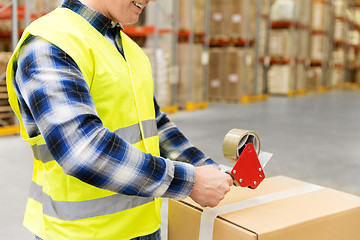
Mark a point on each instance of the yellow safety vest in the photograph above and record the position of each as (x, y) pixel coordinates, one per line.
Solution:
(61, 206)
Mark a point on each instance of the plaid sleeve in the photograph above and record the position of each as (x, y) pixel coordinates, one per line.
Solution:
(174, 145)
(55, 101)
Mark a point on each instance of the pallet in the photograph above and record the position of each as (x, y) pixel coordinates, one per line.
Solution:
(349, 86)
(324, 89)
(194, 106)
(9, 130)
(217, 100)
(256, 98)
(170, 109)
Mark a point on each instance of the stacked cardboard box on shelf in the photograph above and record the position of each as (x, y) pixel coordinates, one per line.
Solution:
(216, 66)
(231, 61)
(239, 19)
(301, 84)
(281, 43)
(185, 11)
(285, 46)
(341, 42)
(337, 75)
(319, 15)
(314, 78)
(231, 74)
(321, 45)
(238, 74)
(339, 30)
(161, 72)
(281, 79)
(218, 29)
(234, 19)
(190, 87)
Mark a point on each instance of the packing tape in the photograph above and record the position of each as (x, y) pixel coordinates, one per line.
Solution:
(235, 141)
(208, 216)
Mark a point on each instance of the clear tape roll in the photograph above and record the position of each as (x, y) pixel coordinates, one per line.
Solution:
(235, 141)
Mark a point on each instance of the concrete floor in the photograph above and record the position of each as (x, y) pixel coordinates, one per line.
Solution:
(315, 138)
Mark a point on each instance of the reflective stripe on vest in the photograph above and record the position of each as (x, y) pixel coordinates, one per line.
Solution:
(75, 210)
(130, 134)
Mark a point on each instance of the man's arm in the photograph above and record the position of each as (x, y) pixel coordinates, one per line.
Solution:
(174, 145)
(55, 101)
(211, 185)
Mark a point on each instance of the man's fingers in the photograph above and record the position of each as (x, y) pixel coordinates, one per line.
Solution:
(230, 181)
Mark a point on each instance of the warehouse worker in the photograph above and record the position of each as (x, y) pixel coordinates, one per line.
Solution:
(103, 151)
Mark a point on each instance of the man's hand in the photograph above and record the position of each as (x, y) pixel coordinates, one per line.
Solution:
(211, 185)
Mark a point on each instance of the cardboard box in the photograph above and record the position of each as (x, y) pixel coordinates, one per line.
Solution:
(301, 80)
(339, 8)
(281, 79)
(240, 18)
(339, 30)
(216, 73)
(198, 11)
(337, 76)
(319, 213)
(218, 29)
(281, 43)
(190, 87)
(319, 47)
(315, 78)
(304, 44)
(338, 56)
(162, 71)
(235, 72)
(320, 13)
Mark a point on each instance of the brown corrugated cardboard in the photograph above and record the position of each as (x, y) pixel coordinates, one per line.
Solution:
(281, 43)
(319, 46)
(216, 73)
(217, 18)
(234, 73)
(281, 79)
(190, 88)
(314, 78)
(185, 11)
(240, 18)
(320, 13)
(321, 214)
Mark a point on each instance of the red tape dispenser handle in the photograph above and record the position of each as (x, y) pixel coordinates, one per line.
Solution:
(247, 171)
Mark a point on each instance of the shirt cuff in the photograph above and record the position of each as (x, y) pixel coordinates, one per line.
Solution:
(182, 182)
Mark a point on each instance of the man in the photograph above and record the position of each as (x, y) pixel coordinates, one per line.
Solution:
(103, 151)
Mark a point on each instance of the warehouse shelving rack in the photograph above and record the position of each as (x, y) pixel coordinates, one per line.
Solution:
(263, 39)
(295, 30)
(352, 53)
(340, 43)
(326, 35)
(259, 79)
(192, 93)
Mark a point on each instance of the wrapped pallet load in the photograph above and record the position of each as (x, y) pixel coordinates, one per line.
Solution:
(191, 75)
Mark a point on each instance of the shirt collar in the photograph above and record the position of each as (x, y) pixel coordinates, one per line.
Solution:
(96, 19)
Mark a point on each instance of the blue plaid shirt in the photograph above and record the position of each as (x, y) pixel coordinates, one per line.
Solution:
(55, 101)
